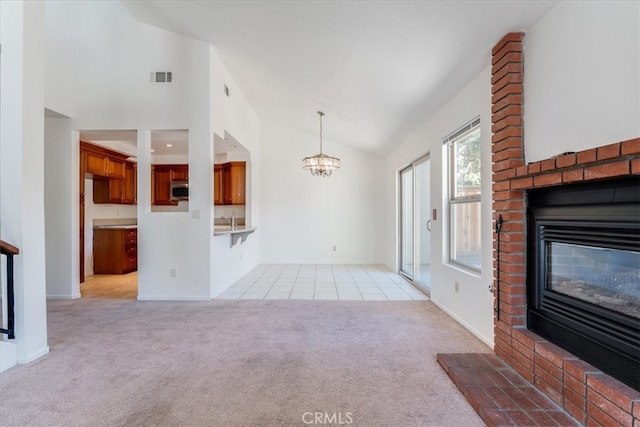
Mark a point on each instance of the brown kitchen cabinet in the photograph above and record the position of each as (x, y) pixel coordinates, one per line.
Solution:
(229, 183)
(130, 184)
(217, 185)
(162, 176)
(161, 185)
(102, 162)
(234, 183)
(179, 172)
(95, 164)
(115, 168)
(120, 191)
(115, 250)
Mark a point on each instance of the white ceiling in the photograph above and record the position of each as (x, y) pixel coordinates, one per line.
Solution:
(163, 142)
(378, 69)
(122, 141)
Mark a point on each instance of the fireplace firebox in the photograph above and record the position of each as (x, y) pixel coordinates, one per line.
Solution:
(583, 272)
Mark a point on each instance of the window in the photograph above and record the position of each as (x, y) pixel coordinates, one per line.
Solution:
(463, 147)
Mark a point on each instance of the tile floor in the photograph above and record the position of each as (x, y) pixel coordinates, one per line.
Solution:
(323, 282)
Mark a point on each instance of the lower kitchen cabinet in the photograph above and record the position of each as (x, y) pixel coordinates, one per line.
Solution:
(115, 250)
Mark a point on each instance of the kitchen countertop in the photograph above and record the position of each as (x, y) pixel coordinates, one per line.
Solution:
(219, 230)
(240, 233)
(116, 226)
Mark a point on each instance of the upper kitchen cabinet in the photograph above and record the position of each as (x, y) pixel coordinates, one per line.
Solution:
(230, 172)
(161, 178)
(102, 162)
(120, 191)
(130, 184)
(234, 179)
(229, 183)
(114, 177)
(218, 190)
(179, 172)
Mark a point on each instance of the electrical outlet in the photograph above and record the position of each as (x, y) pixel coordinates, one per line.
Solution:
(172, 272)
(456, 286)
(195, 213)
(334, 249)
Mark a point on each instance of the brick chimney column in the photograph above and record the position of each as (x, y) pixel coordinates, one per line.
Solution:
(507, 148)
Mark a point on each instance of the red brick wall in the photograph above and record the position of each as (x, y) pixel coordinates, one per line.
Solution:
(591, 396)
(507, 156)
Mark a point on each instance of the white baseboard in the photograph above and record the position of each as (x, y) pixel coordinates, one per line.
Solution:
(169, 298)
(8, 355)
(64, 297)
(465, 324)
(33, 356)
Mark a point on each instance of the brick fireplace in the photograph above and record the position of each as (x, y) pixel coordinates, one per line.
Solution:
(592, 397)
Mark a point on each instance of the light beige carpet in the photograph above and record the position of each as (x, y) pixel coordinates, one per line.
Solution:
(241, 363)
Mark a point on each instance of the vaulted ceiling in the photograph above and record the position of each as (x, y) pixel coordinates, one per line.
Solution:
(376, 68)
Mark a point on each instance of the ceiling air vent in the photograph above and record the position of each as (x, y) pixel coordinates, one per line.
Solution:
(161, 77)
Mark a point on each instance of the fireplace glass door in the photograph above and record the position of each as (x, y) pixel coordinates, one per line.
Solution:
(609, 278)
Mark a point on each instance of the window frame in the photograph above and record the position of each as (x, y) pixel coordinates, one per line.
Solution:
(452, 199)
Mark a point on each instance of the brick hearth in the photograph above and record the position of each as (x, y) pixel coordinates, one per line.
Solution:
(591, 396)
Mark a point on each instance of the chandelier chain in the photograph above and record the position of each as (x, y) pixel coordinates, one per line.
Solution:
(321, 114)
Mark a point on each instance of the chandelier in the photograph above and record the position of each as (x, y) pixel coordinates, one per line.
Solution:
(321, 164)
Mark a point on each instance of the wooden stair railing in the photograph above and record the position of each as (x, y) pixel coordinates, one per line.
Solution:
(9, 251)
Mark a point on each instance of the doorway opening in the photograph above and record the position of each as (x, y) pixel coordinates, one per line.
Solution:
(108, 214)
(415, 223)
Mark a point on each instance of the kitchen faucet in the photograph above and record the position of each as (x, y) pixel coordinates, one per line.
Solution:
(231, 220)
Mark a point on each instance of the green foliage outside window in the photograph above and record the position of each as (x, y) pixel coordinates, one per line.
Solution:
(467, 164)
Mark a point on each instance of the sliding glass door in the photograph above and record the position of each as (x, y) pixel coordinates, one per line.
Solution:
(415, 223)
(406, 221)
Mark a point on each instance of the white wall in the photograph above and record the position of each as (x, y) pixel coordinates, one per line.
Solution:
(304, 216)
(582, 77)
(113, 57)
(22, 218)
(61, 150)
(58, 78)
(472, 305)
(233, 117)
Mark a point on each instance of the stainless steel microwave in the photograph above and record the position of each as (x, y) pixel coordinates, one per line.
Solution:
(179, 190)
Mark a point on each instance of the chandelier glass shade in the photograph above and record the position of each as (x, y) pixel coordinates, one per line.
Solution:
(321, 164)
